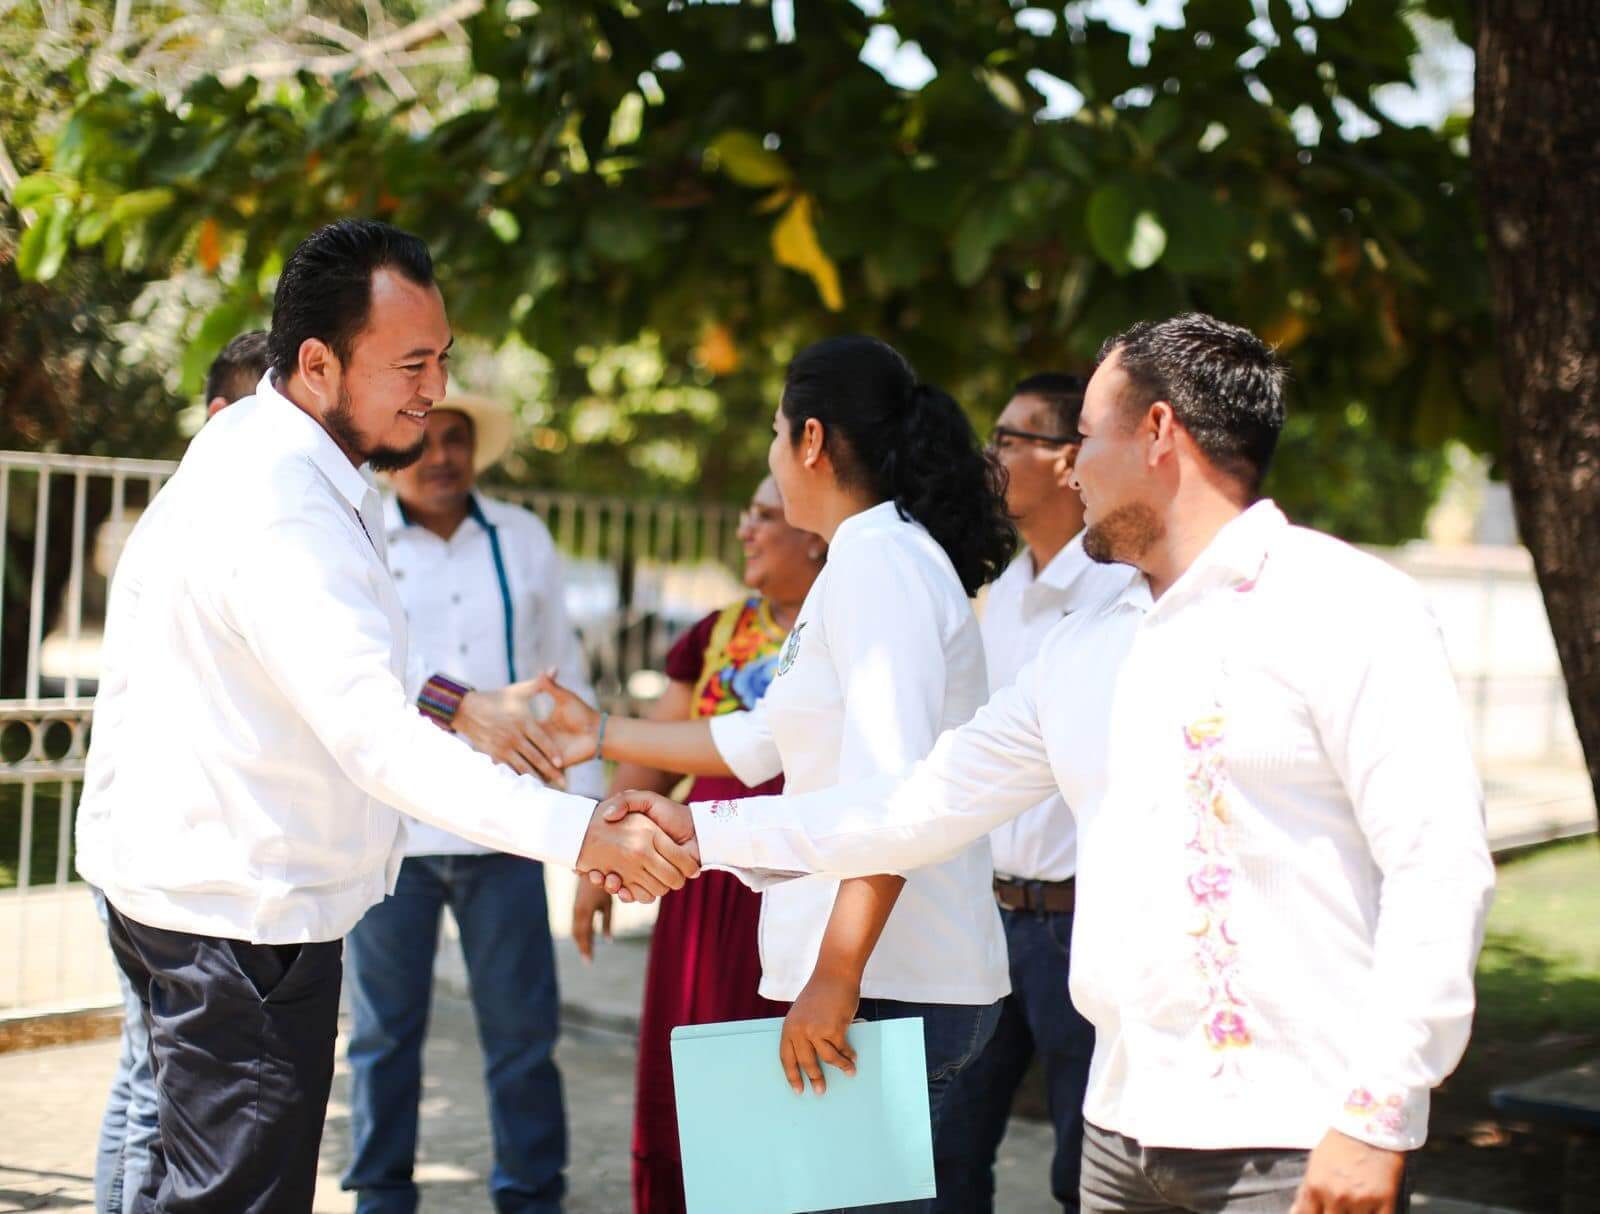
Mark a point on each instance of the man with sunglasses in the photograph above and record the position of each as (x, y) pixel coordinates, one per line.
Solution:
(1036, 442)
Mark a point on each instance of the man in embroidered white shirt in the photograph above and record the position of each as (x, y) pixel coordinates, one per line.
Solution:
(1282, 864)
(483, 591)
(254, 737)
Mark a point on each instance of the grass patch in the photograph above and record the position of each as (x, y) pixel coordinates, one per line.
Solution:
(1538, 1011)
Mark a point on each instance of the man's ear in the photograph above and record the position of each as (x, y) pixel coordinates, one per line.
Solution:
(319, 369)
(1061, 467)
(1163, 432)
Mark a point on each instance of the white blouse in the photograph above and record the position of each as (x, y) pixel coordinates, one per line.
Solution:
(884, 656)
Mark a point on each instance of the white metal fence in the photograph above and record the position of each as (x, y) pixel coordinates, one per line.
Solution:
(638, 572)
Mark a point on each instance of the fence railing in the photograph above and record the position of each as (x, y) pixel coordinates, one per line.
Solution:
(637, 573)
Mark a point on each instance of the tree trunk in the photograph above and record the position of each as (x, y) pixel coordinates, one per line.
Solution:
(1536, 147)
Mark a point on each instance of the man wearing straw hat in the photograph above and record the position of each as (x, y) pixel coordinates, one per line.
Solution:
(482, 587)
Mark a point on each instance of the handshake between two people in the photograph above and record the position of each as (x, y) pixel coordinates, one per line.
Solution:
(639, 844)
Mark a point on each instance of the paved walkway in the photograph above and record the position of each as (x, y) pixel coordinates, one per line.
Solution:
(50, 1103)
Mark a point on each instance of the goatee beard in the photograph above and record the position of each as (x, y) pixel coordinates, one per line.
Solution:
(1124, 535)
(340, 421)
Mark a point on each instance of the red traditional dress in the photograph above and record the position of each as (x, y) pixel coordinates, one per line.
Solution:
(705, 964)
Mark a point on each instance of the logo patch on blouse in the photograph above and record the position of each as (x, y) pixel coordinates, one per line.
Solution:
(791, 649)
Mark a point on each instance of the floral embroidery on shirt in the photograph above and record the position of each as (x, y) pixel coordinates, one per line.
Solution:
(724, 810)
(1386, 1116)
(1210, 883)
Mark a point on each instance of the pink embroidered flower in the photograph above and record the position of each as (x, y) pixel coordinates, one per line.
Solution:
(1211, 885)
(1227, 1028)
(1388, 1115)
(723, 810)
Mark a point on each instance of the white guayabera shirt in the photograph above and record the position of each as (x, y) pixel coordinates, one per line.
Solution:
(252, 731)
(1021, 609)
(1283, 869)
(883, 657)
(456, 615)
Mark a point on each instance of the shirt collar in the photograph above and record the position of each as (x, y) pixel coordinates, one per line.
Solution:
(1237, 552)
(875, 518)
(396, 521)
(1066, 578)
(305, 434)
(1234, 556)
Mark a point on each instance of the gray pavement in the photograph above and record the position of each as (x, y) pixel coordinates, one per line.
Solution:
(50, 1102)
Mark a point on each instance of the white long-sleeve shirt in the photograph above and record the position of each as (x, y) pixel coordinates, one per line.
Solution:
(883, 657)
(1283, 869)
(1022, 607)
(456, 618)
(252, 731)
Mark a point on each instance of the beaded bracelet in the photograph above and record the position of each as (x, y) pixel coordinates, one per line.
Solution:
(440, 700)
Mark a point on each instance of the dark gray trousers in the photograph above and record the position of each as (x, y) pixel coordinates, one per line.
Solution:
(241, 1051)
(1121, 1177)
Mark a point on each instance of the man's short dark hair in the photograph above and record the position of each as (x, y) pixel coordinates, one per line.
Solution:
(1224, 383)
(325, 291)
(1063, 393)
(238, 369)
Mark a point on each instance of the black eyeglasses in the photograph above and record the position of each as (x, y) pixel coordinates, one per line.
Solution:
(999, 434)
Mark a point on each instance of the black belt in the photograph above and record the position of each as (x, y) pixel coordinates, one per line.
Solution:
(1057, 896)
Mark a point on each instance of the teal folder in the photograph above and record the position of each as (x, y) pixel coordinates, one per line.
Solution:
(751, 1146)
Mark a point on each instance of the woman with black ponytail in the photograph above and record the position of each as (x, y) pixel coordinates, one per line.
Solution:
(883, 657)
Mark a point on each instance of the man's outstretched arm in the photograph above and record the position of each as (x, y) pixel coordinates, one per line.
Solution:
(978, 776)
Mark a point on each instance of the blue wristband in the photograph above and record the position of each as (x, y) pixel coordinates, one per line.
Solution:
(600, 736)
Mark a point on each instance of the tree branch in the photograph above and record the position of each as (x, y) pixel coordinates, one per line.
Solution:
(371, 55)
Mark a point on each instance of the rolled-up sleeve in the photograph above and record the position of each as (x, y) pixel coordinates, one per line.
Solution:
(745, 742)
(303, 601)
(1391, 719)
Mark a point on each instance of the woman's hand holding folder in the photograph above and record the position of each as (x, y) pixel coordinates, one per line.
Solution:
(816, 1030)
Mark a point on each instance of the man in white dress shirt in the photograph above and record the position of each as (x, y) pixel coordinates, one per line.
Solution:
(1282, 864)
(253, 735)
(1035, 855)
(483, 591)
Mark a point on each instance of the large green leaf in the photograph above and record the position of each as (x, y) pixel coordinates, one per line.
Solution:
(1124, 227)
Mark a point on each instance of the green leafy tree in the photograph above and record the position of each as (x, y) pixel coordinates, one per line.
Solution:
(665, 201)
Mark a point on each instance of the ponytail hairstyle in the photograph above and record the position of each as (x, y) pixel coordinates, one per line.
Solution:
(906, 442)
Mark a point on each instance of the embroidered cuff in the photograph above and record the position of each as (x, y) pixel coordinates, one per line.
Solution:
(1394, 1119)
(722, 834)
(440, 699)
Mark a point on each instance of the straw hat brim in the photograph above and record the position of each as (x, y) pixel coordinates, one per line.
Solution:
(493, 426)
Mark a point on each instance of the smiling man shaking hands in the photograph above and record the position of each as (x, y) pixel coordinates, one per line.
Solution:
(254, 740)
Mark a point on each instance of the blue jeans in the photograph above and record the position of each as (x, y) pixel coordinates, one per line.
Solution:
(499, 904)
(1037, 1017)
(128, 1130)
(953, 1034)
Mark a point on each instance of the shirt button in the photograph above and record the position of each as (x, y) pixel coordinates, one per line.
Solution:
(455, 598)
(463, 649)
